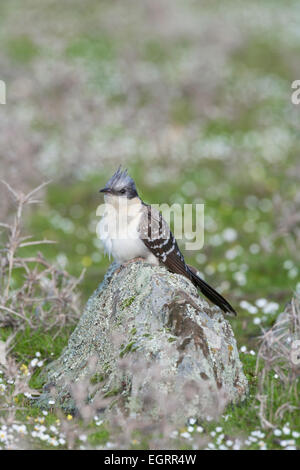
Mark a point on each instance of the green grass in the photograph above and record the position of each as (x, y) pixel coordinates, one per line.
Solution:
(99, 437)
(92, 48)
(28, 342)
(22, 49)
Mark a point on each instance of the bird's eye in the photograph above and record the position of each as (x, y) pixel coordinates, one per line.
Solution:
(123, 191)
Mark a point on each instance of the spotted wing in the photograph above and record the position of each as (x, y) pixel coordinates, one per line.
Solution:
(157, 236)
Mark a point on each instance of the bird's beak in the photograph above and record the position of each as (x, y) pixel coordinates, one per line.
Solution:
(105, 190)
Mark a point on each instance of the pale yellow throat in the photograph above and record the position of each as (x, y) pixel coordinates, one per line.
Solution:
(119, 229)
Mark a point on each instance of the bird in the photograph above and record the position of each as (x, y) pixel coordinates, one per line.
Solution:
(130, 230)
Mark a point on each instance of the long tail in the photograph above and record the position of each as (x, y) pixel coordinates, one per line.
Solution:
(210, 293)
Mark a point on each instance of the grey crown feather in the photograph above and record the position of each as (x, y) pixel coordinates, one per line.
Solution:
(120, 179)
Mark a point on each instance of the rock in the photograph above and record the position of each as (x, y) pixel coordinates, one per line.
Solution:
(150, 334)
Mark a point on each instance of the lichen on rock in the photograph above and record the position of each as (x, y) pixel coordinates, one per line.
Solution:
(154, 343)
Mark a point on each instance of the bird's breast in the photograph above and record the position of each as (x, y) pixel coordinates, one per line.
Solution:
(120, 236)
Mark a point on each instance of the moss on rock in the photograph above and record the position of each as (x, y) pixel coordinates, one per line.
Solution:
(142, 314)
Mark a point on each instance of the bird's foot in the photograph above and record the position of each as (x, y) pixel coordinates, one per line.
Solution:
(123, 265)
(133, 260)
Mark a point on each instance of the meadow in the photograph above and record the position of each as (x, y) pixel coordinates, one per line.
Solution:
(194, 98)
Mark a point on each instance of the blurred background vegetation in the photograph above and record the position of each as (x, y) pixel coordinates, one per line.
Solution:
(194, 98)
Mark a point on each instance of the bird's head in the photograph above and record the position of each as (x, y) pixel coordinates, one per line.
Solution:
(120, 185)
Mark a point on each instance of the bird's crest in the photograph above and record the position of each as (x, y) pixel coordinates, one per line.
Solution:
(120, 179)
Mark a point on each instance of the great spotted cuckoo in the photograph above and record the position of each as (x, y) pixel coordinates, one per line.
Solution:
(131, 229)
